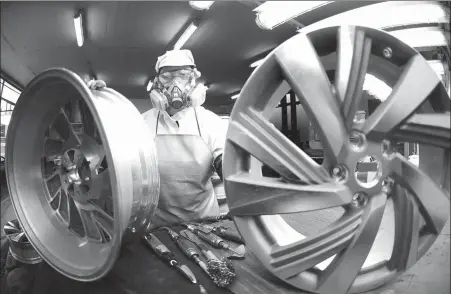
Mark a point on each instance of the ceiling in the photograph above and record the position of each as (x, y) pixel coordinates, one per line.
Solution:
(124, 39)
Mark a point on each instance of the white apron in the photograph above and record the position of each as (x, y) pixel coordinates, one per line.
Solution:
(186, 166)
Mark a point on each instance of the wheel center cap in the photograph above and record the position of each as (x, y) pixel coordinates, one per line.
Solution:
(364, 166)
(368, 171)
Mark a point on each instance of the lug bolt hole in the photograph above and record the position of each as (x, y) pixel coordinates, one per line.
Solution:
(359, 199)
(357, 139)
(339, 173)
(387, 52)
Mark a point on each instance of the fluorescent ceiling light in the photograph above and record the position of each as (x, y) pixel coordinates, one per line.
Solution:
(201, 5)
(149, 85)
(236, 96)
(257, 63)
(78, 24)
(274, 13)
(185, 36)
(421, 37)
(385, 15)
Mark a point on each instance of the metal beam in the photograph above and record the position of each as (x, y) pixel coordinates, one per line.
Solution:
(11, 80)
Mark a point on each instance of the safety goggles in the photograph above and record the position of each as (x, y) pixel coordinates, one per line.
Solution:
(167, 77)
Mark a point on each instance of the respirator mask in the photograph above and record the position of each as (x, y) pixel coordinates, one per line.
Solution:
(177, 89)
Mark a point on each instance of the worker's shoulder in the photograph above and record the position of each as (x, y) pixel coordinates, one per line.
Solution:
(208, 114)
(150, 114)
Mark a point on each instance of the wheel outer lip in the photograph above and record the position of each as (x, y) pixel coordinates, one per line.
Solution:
(250, 227)
(138, 206)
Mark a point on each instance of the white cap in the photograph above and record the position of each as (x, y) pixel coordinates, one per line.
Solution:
(175, 58)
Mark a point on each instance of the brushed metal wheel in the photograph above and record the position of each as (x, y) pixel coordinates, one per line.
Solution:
(417, 110)
(19, 246)
(82, 172)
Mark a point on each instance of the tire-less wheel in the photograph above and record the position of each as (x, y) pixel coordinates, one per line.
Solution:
(19, 246)
(82, 172)
(417, 110)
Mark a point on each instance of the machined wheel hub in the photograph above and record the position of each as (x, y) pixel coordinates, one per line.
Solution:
(363, 175)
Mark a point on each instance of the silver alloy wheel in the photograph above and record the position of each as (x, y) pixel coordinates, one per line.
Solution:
(82, 172)
(19, 246)
(257, 202)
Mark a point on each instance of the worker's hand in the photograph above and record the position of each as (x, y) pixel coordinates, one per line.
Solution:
(96, 84)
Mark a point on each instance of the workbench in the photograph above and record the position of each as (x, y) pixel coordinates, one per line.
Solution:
(139, 271)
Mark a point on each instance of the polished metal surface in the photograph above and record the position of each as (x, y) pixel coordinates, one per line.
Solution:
(19, 246)
(82, 172)
(344, 257)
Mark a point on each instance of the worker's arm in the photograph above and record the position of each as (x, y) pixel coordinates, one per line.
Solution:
(217, 164)
(216, 133)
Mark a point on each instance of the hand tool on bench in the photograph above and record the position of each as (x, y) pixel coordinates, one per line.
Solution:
(208, 219)
(217, 242)
(186, 247)
(165, 254)
(220, 271)
(222, 232)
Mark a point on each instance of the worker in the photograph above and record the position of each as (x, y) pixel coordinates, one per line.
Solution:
(188, 138)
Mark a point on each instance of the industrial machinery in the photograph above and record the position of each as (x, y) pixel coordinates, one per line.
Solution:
(343, 257)
(81, 171)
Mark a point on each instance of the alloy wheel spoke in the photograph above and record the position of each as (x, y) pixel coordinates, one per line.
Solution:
(304, 72)
(63, 126)
(11, 228)
(105, 221)
(266, 196)
(100, 185)
(55, 173)
(354, 50)
(64, 207)
(295, 258)
(413, 87)
(407, 227)
(17, 237)
(96, 161)
(53, 147)
(92, 230)
(432, 199)
(87, 119)
(93, 219)
(426, 128)
(341, 273)
(56, 194)
(261, 139)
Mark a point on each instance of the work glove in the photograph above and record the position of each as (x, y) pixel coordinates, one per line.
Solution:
(96, 84)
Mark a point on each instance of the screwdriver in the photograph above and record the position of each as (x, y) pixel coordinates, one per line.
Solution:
(217, 270)
(186, 248)
(221, 232)
(164, 253)
(212, 239)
